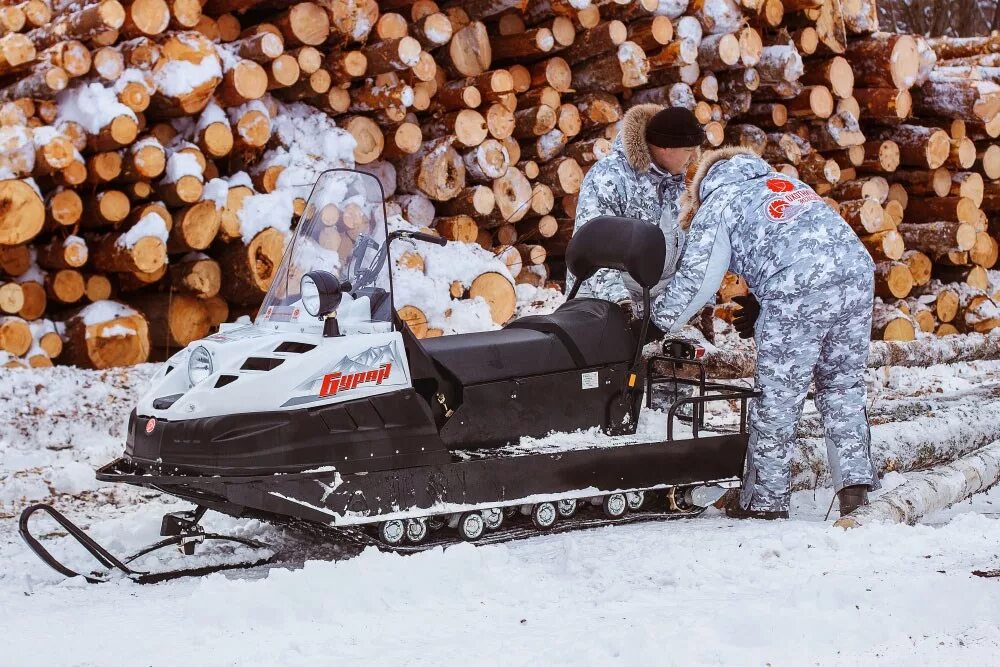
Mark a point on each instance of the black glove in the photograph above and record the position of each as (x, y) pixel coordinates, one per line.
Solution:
(626, 308)
(746, 316)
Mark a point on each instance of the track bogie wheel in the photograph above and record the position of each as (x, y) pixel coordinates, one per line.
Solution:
(436, 522)
(416, 530)
(392, 531)
(615, 505)
(493, 518)
(635, 499)
(567, 508)
(544, 515)
(471, 526)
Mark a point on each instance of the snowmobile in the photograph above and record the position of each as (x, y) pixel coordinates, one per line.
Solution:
(328, 410)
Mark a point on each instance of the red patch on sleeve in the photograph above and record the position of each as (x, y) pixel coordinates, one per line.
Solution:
(780, 185)
(776, 209)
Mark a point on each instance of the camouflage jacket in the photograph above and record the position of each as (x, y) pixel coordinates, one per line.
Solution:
(773, 230)
(627, 183)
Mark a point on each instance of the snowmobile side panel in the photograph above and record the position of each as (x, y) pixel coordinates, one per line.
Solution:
(331, 497)
(374, 433)
(499, 413)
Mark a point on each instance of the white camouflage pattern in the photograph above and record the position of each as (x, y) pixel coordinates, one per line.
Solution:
(814, 280)
(614, 187)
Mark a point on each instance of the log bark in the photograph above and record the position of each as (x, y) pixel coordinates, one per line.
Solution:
(893, 280)
(931, 490)
(627, 67)
(938, 240)
(435, 170)
(977, 101)
(120, 341)
(922, 147)
(174, 319)
(884, 60)
(147, 254)
(249, 269)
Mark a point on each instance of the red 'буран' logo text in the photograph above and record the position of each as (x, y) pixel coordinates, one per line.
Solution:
(336, 382)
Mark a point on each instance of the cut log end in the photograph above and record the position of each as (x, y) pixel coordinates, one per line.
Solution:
(498, 293)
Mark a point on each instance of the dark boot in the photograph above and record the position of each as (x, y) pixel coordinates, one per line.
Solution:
(735, 511)
(852, 497)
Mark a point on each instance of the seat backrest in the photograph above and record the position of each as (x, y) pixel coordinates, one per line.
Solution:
(614, 242)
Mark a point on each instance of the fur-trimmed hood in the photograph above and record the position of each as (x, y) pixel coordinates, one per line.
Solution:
(699, 187)
(633, 135)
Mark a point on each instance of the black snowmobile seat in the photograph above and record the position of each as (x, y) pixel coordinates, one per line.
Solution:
(582, 333)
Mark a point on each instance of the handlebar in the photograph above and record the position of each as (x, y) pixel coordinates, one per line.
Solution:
(420, 236)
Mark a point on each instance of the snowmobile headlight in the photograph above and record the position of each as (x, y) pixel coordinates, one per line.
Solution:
(321, 293)
(199, 365)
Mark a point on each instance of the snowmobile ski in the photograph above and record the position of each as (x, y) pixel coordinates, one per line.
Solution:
(186, 534)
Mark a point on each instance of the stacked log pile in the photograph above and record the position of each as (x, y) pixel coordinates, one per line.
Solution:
(149, 157)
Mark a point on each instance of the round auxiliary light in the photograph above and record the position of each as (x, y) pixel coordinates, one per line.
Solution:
(321, 293)
(200, 365)
(310, 295)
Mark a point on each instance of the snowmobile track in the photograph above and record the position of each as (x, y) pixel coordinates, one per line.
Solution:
(520, 530)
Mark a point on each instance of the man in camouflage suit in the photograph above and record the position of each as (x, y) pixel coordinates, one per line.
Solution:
(814, 280)
(642, 178)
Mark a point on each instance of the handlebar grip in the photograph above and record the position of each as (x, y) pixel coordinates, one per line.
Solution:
(429, 238)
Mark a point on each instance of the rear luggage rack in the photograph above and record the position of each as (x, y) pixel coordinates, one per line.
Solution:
(720, 391)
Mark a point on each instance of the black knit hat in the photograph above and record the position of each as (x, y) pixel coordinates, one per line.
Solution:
(674, 127)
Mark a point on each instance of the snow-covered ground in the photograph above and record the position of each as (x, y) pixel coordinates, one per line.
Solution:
(708, 590)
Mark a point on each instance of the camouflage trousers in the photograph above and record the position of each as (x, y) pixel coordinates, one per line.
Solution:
(807, 335)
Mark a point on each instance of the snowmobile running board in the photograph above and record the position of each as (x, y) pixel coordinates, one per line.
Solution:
(180, 527)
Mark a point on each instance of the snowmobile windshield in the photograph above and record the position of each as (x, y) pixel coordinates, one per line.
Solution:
(341, 231)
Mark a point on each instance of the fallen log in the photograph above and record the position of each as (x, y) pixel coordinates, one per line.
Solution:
(930, 491)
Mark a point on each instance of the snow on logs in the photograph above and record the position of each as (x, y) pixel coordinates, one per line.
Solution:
(138, 139)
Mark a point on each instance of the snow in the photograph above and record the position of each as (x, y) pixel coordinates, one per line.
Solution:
(435, 35)
(134, 75)
(240, 178)
(715, 591)
(44, 134)
(181, 164)
(18, 149)
(92, 106)
(73, 240)
(310, 143)
(671, 8)
(104, 311)
(785, 57)
(117, 331)
(229, 55)
(216, 190)
(151, 224)
(688, 29)
(180, 77)
(211, 114)
(550, 141)
(721, 16)
(259, 212)
(533, 300)
(681, 95)
(545, 42)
